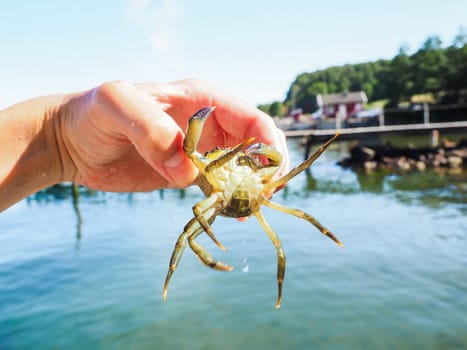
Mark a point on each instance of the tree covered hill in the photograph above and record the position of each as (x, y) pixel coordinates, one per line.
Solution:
(431, 69)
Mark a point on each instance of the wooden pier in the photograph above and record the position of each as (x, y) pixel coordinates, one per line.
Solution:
(313, 136)
(318, 135)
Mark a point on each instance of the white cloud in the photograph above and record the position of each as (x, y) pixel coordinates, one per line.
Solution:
(157, 20)
(138, 5)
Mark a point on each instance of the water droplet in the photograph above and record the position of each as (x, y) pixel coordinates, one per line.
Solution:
(245, 266)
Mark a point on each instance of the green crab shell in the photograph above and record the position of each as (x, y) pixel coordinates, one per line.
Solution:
(241, 182)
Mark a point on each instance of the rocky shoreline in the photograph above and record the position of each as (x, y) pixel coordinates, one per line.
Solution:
(448, 155)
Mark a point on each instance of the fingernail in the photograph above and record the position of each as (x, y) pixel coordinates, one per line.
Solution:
(174, 161)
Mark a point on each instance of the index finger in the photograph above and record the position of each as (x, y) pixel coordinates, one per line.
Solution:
(243, 121)
(233, 121)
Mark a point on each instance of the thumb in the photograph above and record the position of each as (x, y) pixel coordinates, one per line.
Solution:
(154, 133)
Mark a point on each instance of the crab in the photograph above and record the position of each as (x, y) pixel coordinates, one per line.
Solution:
(236, 182)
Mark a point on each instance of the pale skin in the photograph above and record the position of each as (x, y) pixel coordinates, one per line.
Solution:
(120, 137)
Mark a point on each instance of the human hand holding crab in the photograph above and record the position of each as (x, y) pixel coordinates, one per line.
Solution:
(119, 137)
(136, 133)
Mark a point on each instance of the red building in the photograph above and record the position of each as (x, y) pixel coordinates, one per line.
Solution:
(341, 105)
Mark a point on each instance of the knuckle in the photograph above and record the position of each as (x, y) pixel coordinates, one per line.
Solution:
(106, 91)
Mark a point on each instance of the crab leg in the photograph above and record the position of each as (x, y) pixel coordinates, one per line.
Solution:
(192, 226)
(280, 254)
(302, 215)
(204, 255)
(203, 211)
(298, 169)
(219, 162)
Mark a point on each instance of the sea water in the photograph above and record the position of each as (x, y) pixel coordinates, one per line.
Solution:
(90, 276)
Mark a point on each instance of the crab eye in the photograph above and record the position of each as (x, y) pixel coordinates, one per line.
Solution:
(250, 162)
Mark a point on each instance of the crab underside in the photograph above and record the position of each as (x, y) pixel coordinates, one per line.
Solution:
(236, 182)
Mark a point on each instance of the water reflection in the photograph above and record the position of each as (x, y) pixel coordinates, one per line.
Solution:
(371, 181)
(311, 182)
(75, 190)
(431, 188)
(181, 192)
(427, 180)
(63, 191)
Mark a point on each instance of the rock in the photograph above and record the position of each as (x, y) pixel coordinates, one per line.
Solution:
(362, 154)
(407, 158)
(403, 164)
(420, 165)
(370, 165)
(455, 161)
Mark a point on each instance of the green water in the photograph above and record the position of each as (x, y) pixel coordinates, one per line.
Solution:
(399, 283)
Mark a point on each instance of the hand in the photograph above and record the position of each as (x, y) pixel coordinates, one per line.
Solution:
(121, 137)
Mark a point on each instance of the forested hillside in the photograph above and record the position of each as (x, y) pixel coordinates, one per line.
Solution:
(431, 69)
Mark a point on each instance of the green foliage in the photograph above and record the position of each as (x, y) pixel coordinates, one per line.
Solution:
(460, 39)
(431, 69)
(350, 77)
(264, 108)
(275, 109)
(431, 44)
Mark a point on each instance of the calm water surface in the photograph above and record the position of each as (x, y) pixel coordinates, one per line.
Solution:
(399, 283)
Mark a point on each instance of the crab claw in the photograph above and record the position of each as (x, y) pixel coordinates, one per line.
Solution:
(273, 156)
(195, 127)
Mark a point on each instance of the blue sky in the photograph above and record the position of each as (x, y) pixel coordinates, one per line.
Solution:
(253, 49)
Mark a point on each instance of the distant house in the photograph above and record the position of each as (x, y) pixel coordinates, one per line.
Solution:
(343, 105)
(296, 114)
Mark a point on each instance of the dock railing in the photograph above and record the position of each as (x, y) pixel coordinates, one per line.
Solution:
(414, 119)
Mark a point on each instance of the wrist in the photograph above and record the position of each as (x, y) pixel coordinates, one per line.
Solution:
(33, 158)
(57, 119)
